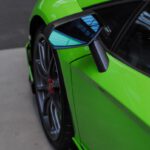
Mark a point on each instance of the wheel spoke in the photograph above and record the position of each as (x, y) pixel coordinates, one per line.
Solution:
(42, 87)
(57, 102)
(42, 72)
(41, 61)
(46, 99)
(50, 65)
(55, 118)
(42, 56)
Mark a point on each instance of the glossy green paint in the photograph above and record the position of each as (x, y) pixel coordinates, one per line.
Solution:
(51, 10)
(30, 74)
(112, 108)
(87, 3)
(77, 144)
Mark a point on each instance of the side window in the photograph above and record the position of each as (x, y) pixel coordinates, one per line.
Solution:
(114, 18)
(135, 47)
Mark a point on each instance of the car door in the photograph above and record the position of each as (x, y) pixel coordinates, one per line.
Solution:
(112, 108)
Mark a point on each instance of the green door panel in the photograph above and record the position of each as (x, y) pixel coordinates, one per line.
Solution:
(87, 3)
(112, 108)
(51, 10)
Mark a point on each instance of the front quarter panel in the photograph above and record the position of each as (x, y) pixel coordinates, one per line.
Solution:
(51, 10)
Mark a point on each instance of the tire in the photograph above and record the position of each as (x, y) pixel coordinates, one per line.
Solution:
(50, 94)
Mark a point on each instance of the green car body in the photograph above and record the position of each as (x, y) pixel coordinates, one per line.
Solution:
(110, 110)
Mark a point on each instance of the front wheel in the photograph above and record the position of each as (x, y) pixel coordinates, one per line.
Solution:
(50, 94)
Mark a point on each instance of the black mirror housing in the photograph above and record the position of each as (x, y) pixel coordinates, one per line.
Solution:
(99, 55)
(82, 29)
(73, 31)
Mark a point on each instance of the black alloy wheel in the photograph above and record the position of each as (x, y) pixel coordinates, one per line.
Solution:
(50, 94)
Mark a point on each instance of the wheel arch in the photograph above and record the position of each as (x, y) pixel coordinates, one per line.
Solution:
(36, 23)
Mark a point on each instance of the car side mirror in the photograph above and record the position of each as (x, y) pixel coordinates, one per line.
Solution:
(79, 30)
(99, 55)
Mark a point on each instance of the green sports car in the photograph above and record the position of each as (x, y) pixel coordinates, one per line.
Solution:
(89, 67)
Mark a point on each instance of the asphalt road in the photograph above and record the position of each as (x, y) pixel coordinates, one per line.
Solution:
(20, 128)
(14, 22)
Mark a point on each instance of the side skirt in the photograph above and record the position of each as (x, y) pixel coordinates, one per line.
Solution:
(78, 145)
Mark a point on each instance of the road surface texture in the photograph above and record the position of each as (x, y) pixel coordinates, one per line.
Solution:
(20, 128)
(14, 22)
